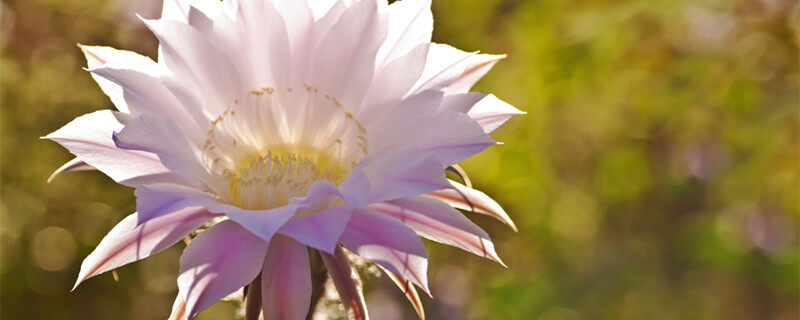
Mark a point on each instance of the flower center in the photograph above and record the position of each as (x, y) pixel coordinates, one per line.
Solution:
(268, 181)
(272, 145)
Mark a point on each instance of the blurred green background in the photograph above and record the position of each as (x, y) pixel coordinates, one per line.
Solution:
(655, 175)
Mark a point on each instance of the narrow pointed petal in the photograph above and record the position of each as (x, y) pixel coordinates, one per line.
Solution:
(489, 111)
(475, 68)
(444, 65)
(389, 243)
(347, 282)
(462, 197)
(437, 221)
(348, 52)
(391, 84)
(320, 230)
(253, 300)
(128, 241)
(72, 165)
(133, 81)
(408, 289)
(89, 137)
(286, 280)
(217, 262)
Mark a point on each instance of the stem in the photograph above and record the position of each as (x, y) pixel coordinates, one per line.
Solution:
(319, 274)
(253, 300)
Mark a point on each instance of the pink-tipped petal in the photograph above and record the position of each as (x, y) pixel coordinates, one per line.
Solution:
(89, 137)
(347, 282)
(475, 68)
(72, 165)
(437, 221)
(128, 241)
(409, 291)
(389, 243)
(320, 230)
(286, 280)
(462, 197)
(217, 262)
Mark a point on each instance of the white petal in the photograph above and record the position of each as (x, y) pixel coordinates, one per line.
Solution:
(475, 68)
(160, 136)
(89, 137)
(345, 60)
(410, 25)
(489, 111)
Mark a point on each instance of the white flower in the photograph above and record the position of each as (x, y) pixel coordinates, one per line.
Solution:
(288, 124)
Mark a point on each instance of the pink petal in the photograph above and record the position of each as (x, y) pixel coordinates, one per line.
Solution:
(404, 173)
(128, 241)
(347, 283)
(320, 230)
(72, 165)
(462, 197)
(175, 9)
(443, 66)
(348, 52)
(286, 280)
(389, 243)
(393, 82)
(153, 200)
(266, 42)
(89, 137)
(217, 262)
(439, 222)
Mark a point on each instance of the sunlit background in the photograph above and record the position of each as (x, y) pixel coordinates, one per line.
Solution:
(655, 175)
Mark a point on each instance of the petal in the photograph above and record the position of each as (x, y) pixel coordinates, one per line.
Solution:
(439, 222)
(345, 60)
(418, 124)
(154, 200)
(409, 290)
(489, 111)
(286, 280)
(476, 66)
(389, 243)
(133, 80)
(203, 77)
(175, 9)
(347, 282)
(320, 230)
(266, 43)
(89, 137)
(160, 136)
(72, 165)
(410, 25)
(465, 198)
(404, 173)
(393, 82)
(443, 66)
(217, 262)
(129, 241)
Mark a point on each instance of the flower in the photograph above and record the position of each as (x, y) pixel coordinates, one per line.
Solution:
(274, 126)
